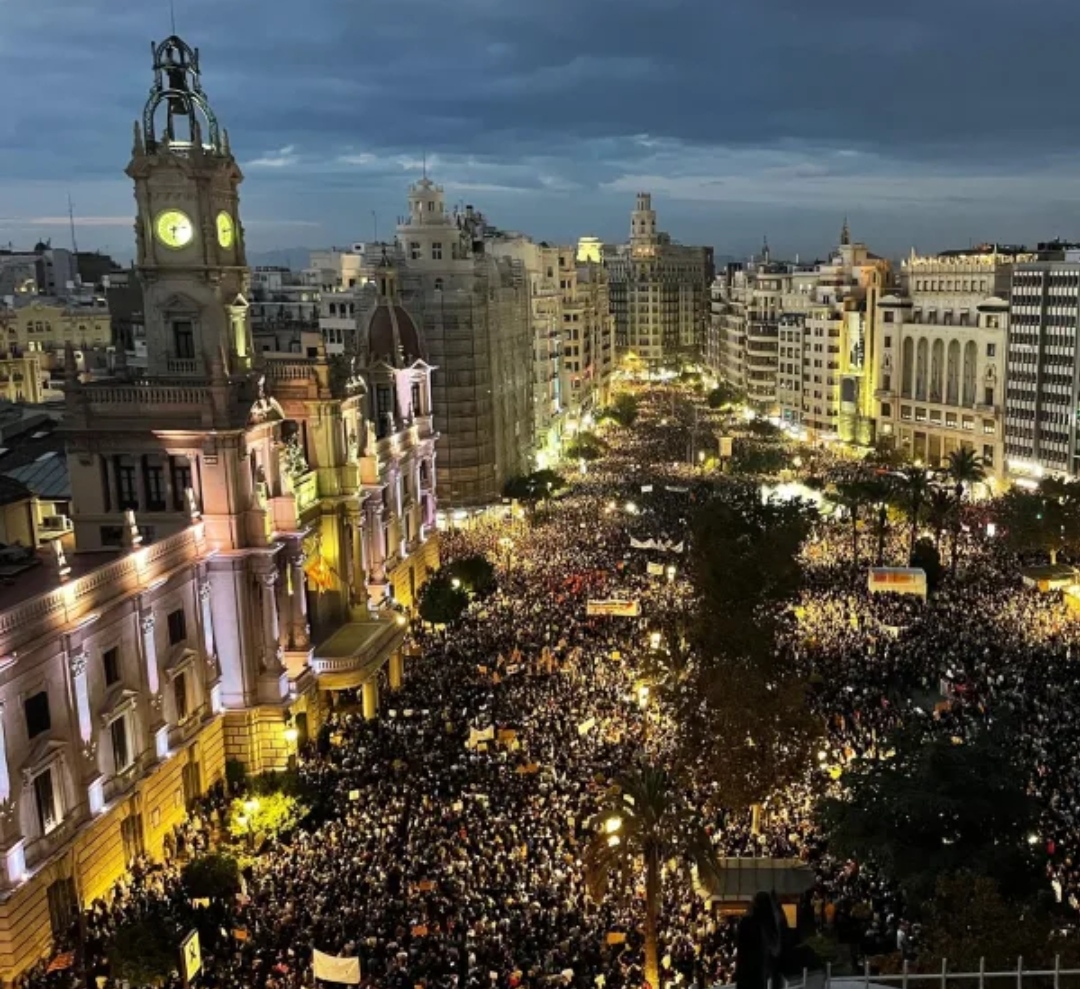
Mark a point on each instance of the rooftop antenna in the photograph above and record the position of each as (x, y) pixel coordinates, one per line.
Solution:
(71, 221)
(375, 224)
(172, 15)
(425, 164)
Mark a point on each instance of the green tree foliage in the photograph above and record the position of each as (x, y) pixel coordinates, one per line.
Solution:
(963, 469)
(753, 458)
(215, 876)
(969, 922)
(745, 570)
(145, 953)
(623, 410)
(926, 557)
(1046, 521)
(936, 808)
(265, 817)
(441, 603)
(724, 395)
(476, 573)
(585, 446)
(532, 488)
(645, 821)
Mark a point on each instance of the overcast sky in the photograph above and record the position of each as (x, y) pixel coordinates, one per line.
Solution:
(930, 123)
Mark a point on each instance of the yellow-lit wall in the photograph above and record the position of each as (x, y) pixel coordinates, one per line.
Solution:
(423, 561)
(41, 326)
(97, 851)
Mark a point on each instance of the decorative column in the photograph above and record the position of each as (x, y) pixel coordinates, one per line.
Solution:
(299, 631)
(358, 590)
(396, 669)
(371, 699)
(272, 651)
(147, 622)
(77, 662)
(5, 776)
(207, 622)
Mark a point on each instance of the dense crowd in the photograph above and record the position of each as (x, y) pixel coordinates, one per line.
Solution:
(448, 865)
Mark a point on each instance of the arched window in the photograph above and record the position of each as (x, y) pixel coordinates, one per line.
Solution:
(907, 367)
(969, 374)
(921, 353)
(438, 284)
(952, 374)
(937, 361)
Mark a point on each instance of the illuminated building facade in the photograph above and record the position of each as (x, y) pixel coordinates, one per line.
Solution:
(243, 528)
(941, 356)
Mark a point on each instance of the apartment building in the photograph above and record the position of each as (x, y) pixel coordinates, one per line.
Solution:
(1042, 371)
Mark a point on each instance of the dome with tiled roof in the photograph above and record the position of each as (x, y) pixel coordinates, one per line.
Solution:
(392, 335)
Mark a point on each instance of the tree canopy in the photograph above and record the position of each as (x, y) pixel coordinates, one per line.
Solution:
(937, 806)
(585, 446)
(214, 876)
(145, 952)
(622, 410)
(441, 601)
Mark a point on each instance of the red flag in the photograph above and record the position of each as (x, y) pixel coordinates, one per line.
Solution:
(62, 961)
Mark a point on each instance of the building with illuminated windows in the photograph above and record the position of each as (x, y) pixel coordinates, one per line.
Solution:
(245, 534)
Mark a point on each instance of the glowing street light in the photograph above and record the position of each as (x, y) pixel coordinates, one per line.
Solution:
(670, 572)
(613, 824)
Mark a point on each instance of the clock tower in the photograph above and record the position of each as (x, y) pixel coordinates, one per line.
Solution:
(189, 240)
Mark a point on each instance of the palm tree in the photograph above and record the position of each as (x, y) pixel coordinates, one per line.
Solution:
(851, 496)
(877, 491)
(914, 485)
(939, 512)
(964, 468)
(647, 820)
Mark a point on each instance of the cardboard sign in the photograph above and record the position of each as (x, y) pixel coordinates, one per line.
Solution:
(616, 607)
(616, 937)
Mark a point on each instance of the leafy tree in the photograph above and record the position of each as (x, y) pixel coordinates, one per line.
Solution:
(215, 876)
(941, 509)
(477, 575)
(441, 603)
(645, 821)
(144, 952)
(970, 923)
(532, 488)
(724, 394)
(586, 446)
(623, 410)
(936, 807)
(268, 816)
(749, 457)
(926, 557)
(745, 570)
(1031, 523)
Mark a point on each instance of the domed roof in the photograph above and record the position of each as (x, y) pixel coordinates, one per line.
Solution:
(392, 335)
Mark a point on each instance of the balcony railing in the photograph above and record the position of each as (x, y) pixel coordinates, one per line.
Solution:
(36, 617)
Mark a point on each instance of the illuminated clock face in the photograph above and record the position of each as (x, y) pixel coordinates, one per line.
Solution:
(174, 229)
(225, 229)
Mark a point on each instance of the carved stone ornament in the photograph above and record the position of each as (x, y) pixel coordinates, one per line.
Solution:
(89, 750)
(7, 812)
(77, 662)
(148, 622)
(155, 701)
(269, 579)
(205, 591)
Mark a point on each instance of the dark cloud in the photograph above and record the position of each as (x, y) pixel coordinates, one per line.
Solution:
(549, 111)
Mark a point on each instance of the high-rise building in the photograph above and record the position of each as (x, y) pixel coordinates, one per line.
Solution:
(476, 316)
(242, 531)
(541, 265)
(659, 291)
(588, 344)
(941, 341)
(1042, 371)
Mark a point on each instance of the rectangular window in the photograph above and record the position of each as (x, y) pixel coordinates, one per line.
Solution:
(888, 341)
(886, 409)
(155, 486)
(414, 250)
(183, 339)
(416, 408)
(988, 396)
(112, 535)
(988, 455)
(989, 427)
(110, 665)
(36, 709)
(126, 492)
(181, 480)
(177, 627)
(991, 350)
(436, 252)
(121, 750)
(45, 801)
(180, 697)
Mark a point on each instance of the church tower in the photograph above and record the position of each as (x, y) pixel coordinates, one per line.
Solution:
(189, 239)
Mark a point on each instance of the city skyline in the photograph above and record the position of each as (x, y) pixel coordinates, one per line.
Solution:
(550, 118)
